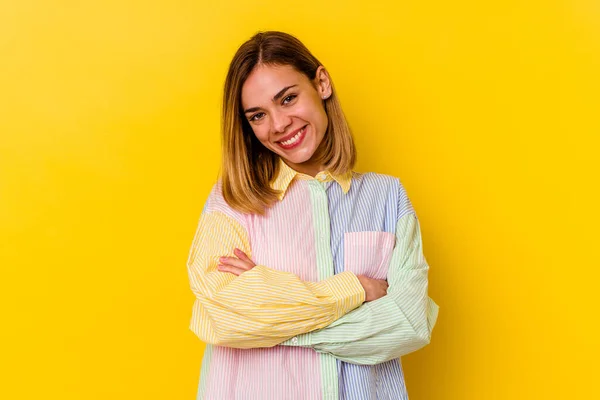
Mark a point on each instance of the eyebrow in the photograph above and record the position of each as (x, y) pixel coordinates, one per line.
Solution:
(275, 98)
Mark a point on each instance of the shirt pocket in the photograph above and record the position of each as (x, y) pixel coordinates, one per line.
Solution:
(368, 253)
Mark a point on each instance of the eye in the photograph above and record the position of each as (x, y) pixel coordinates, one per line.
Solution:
(289, 98)
(256, 116)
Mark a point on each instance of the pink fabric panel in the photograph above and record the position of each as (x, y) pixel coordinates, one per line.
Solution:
(283, 239)
(239, 374)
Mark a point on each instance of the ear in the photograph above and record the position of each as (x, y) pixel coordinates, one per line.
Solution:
(323, 83)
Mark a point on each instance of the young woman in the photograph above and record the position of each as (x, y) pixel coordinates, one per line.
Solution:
(294, 252)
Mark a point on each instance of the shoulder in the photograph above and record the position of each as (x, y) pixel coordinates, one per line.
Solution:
(385, 185)
(377, 180)
(216, 203)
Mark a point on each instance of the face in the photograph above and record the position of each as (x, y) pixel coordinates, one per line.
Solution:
(286, 112)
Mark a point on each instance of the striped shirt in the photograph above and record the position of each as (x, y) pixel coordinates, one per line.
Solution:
(295, 327)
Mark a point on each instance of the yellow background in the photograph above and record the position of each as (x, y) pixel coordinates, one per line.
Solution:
(109, 124)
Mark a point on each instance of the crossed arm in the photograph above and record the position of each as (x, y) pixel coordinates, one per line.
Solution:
(239, 304)
(392, 326)
(262, 307)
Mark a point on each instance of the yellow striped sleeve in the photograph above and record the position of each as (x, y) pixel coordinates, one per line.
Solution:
(262, 307)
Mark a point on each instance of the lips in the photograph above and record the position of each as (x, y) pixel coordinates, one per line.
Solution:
(293, 139)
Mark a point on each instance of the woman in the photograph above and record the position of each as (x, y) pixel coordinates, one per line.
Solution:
(293, 254)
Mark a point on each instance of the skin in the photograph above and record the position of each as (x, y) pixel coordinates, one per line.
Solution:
(275, 115)
(278, 102)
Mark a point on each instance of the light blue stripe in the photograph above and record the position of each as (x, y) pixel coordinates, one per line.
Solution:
(374, 203)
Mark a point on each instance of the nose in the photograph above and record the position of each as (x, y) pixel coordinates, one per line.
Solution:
(279, 121)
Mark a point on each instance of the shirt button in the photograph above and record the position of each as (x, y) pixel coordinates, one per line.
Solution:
(295, 340)
(322, 176)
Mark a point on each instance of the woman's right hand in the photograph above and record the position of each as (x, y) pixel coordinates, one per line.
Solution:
(374, 288)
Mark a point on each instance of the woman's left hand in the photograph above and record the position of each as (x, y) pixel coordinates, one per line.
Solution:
(235, 265)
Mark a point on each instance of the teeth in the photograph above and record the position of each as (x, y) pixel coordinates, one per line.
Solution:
(294, 139)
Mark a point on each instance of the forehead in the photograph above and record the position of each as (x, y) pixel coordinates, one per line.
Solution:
(266, 80)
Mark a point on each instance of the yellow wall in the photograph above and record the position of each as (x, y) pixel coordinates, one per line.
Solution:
(109, 121)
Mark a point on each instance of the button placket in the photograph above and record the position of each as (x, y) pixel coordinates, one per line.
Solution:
(330, 392)
(322, 196)
(329, 373)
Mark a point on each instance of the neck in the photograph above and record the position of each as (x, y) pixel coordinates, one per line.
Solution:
(308, 168)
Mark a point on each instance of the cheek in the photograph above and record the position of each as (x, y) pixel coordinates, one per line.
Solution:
(320, 120)
(314, 113)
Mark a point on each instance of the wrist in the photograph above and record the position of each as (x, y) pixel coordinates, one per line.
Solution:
(363, 282)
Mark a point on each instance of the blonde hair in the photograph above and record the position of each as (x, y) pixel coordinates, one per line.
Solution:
(248, 167)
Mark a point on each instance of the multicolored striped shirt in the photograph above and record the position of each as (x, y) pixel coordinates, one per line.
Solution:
(296, 327)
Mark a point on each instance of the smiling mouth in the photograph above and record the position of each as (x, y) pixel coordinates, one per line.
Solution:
(294, 140)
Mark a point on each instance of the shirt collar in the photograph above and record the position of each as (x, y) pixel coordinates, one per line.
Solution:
(287, 174)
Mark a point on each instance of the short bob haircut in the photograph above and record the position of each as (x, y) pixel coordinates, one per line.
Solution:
(248, 167)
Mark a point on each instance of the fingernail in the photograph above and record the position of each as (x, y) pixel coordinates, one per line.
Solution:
(223, 259)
